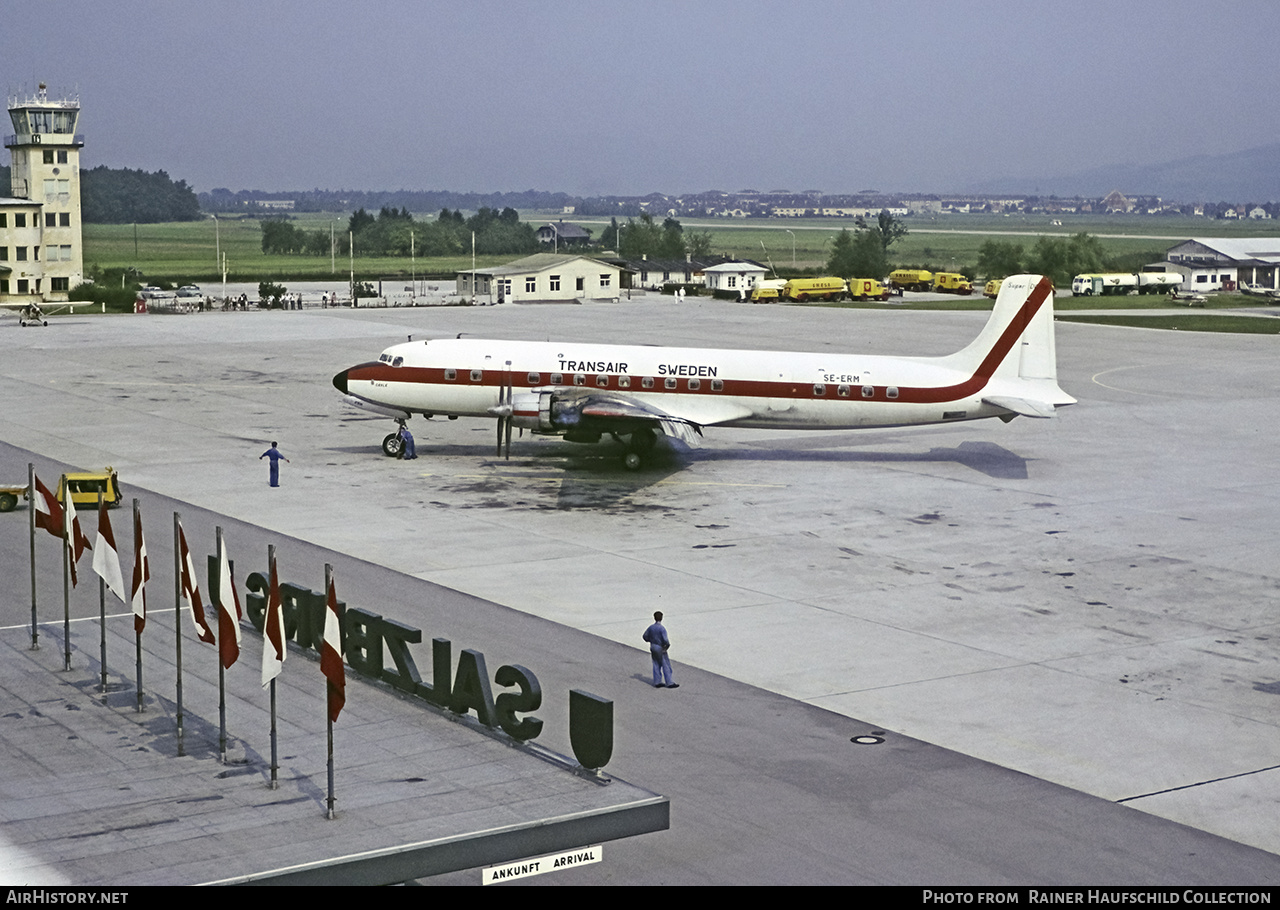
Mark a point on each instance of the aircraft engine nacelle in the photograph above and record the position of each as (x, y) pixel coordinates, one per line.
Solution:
(545, 412)
(532, 411)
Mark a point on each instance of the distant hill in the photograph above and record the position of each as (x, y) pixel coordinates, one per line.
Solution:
(1252, 175)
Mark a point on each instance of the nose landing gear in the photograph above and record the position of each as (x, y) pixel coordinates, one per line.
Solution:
(393, 443)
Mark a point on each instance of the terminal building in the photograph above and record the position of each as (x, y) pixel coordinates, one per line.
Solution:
(41, 254)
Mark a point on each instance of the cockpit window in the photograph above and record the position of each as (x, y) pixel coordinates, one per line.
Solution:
(397, 362)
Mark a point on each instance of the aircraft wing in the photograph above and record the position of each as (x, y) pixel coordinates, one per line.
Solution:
(682, 419)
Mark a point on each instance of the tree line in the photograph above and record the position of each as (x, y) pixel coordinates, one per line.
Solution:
(1060, 258)
(643, 237)
(123, 196)
(864, 253)
(395, 232)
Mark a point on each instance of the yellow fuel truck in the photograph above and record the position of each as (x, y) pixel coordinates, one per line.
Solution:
(867, 289)
(814, 289)
(911, 279)
(952, 283)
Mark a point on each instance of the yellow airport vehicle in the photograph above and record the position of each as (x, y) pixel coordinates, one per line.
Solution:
(9, 497)
(952, 283)
(814, 289)
(767, 290)
(867, 289)
(911, 279)
(993, 288)
(85, 486)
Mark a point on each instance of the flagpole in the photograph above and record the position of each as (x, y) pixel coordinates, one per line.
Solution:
(268, 643)
(222, 672)
(102, 616)
(66, 574)
(137, 634)
(177, 618)
(31, 499)
(328, 582)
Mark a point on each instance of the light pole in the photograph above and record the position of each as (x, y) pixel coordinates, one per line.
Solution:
(793, 246)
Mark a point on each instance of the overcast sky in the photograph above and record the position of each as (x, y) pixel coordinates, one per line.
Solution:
(630, 98)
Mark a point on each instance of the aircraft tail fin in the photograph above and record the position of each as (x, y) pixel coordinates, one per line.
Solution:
(1018, 337)
(1017, 344)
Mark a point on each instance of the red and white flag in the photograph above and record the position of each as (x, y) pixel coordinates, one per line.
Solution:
(75, 537)
(191, 590)
(141, 575)
(106, 561)
(273, 647)
(331, 656)
(228, 601)
(48, 510)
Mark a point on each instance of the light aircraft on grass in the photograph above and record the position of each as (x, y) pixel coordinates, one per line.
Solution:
(582, 391)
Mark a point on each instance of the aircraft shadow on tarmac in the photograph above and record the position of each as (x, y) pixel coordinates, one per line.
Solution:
(565, 476)
(984, 457)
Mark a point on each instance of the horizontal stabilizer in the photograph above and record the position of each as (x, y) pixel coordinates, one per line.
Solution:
(1023, 406)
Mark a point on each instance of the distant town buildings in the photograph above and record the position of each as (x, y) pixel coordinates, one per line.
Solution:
(41, 255)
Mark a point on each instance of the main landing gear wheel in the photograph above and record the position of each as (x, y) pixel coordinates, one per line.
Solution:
(392, 445)
(8, 502)
(639, 444)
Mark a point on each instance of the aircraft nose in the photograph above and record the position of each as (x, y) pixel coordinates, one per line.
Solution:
(340, 381)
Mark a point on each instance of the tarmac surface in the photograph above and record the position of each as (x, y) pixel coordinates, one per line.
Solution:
(1050, 624)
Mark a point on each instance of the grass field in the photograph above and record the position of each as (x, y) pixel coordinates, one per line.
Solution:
(186, 252)
(1189, 322)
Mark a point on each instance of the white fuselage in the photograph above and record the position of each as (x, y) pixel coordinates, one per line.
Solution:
(583, 389)
(763, 389)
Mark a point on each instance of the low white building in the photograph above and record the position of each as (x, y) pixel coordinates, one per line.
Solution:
(544, 276)
(657, 273)
(739, 277)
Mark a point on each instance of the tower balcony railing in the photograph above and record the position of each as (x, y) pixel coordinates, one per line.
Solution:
(14, 140)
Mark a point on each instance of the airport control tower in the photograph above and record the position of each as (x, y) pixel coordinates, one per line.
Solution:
(40, 219)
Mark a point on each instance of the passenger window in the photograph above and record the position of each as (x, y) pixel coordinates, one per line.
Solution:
(670, 383)
(717, 385)
(842, 391)
(535, 378)
(579, 378)
(477, 375)
(819, 389)
(891, 392)
(695, 384)
(602, 381)
(451, 374)
(646, 382)
(868, 391)
(557, 378)
(624, 382)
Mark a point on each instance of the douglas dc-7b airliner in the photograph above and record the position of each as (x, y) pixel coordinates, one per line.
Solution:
(582, 391)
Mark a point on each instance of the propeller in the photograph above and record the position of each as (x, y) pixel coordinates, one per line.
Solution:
(503, 411)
